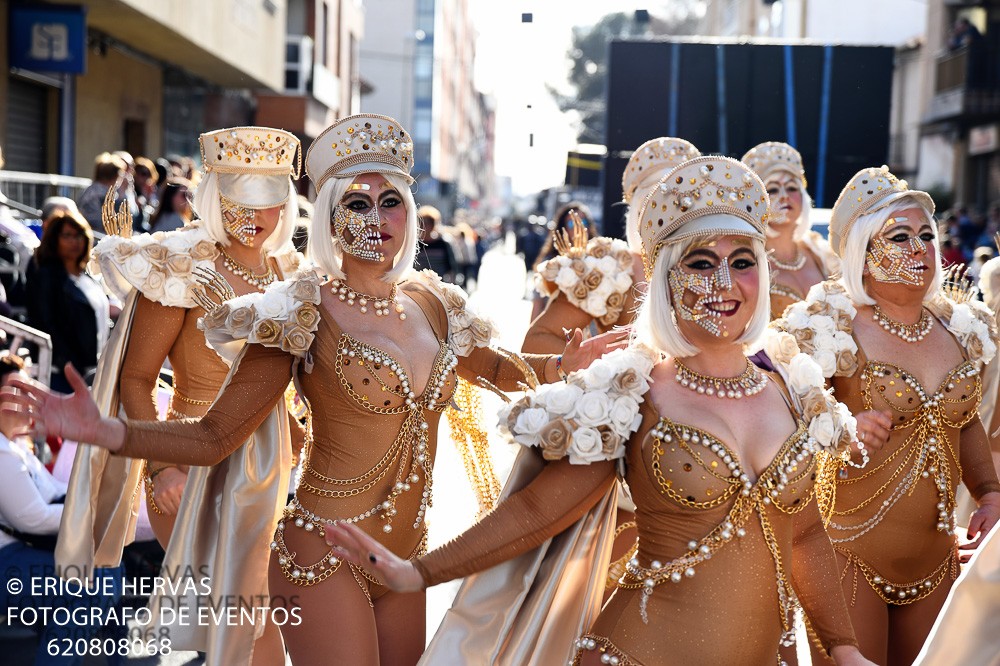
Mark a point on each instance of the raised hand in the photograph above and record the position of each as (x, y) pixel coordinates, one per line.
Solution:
(982, 521)
(354, 545)
(874, 428)
(46, 413)
(580, 353)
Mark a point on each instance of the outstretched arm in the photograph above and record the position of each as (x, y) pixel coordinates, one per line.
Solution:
(554, 500)
(545, 336)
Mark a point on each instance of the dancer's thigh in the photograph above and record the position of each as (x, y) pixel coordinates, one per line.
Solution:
(910, 625)
(401, 620)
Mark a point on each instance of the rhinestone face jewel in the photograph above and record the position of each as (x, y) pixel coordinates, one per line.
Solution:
(359, 233)
(238, 221)
(889, 263)
(706, 289)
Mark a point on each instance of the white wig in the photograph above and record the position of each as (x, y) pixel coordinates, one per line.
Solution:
(632, 223)
(325, 250)
(209, 208)
(989, 283)
(856, 249)
(656, 322)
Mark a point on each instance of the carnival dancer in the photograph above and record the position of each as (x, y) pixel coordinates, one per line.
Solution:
(799, 256)
(896, 348)
(247, 208)
(720, 456)
(376, 358)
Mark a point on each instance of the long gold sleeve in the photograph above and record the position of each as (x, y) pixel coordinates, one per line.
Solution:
(487, 363)
(545, 335)
(978, 473)
(816, 581)
(554, 500)
(155, 328)
(256, 384)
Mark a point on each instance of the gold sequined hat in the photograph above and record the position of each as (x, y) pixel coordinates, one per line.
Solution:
(868, 191)
(710, 195)
(770, 156)
(364, 143)
(252, 164)
(652, 160)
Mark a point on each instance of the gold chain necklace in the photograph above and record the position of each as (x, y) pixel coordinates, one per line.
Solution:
(906, 332)
(750, 382)
(256, 280)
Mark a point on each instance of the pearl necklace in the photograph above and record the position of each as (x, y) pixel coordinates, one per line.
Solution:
(257, 281)
(751, 382)
(906, 332)
(795, 265)
(381, 305)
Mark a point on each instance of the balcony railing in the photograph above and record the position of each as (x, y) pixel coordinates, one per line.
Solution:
(32, 189)
(964, 86)
(951, 70)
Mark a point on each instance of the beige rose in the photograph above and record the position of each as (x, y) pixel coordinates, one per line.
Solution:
(974, 344)
(579, 291)
(593, 280)
(179, 265)
(629, 381)
(847, 363)
(306, 291)
(816, 308)
(599, 250)
(307, 316)
(268, 331)
(549, 270)
(204, 250)
(813, 404)
(215, 319)
(152, 287)
(803, 336)
(615, 300)
(782, 347)
(240, 321)
(453, 299)
(555, 439)
(844, 322)
(295, 339)
(481, 331)
(515, 411)
(579, 267)
(155, 253)
(609, 440)
(124, 250)
(462, 341)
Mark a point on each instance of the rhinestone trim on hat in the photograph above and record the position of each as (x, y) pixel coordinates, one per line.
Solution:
(364, 139)
(256, 150)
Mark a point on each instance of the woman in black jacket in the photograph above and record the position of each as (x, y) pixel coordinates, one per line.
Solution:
(64, 301)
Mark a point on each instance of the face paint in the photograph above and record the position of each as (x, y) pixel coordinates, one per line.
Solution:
(899, 266)
(359, 233)
(777, 188)
(707, 289)
(238, 221)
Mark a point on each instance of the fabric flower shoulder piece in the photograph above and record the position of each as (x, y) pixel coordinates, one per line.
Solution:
(590, 416)
(973, 325)
(466, 329)
(159, 265)
(594, 277)
(822, 327)
(286, 315)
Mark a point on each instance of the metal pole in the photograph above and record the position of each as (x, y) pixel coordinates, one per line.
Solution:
(67, 125)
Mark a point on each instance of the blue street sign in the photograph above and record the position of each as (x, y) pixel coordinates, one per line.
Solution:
(48, 39)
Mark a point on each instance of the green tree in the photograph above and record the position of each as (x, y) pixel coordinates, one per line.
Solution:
(588, 61)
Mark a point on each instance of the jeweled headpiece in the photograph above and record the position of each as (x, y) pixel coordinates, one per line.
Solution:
(364, 143)
(868, 191)
(710, 195)
(253, 164)
(652, 160)
(766, 158)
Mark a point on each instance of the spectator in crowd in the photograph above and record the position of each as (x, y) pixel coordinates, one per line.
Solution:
(107, 170)
(964, 35)
(950, 252)
(561, 222)
(530, 237)
(981, 255)
(465, 236)
(163, 169)
(174, 210)
(146, 190)
(434, 252)
(64, 301)
(54, 205)
(968, 231)
(31, 506)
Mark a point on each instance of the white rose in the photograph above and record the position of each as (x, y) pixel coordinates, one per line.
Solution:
(624, 415)
(607, 265)
(841, 302)
(562, 398)
(989, 350)
(797, 317)
(847, 421)
(566, 278)
(272, 304)
(177, 243)
(528, 423)
(961, 320)
(596, 305)
(844, 340)
(824, 342)
(136, 268)
(822, 429)
(622, 281)
(586, 447)
(175, 291)
(641, 359)
(502, 415)
(599, 375)
(827, 361)
(605, 289)
(460, 319)
(592, 409)
(817, 293)
(824, 324)
(804, 374)
(781, 347)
